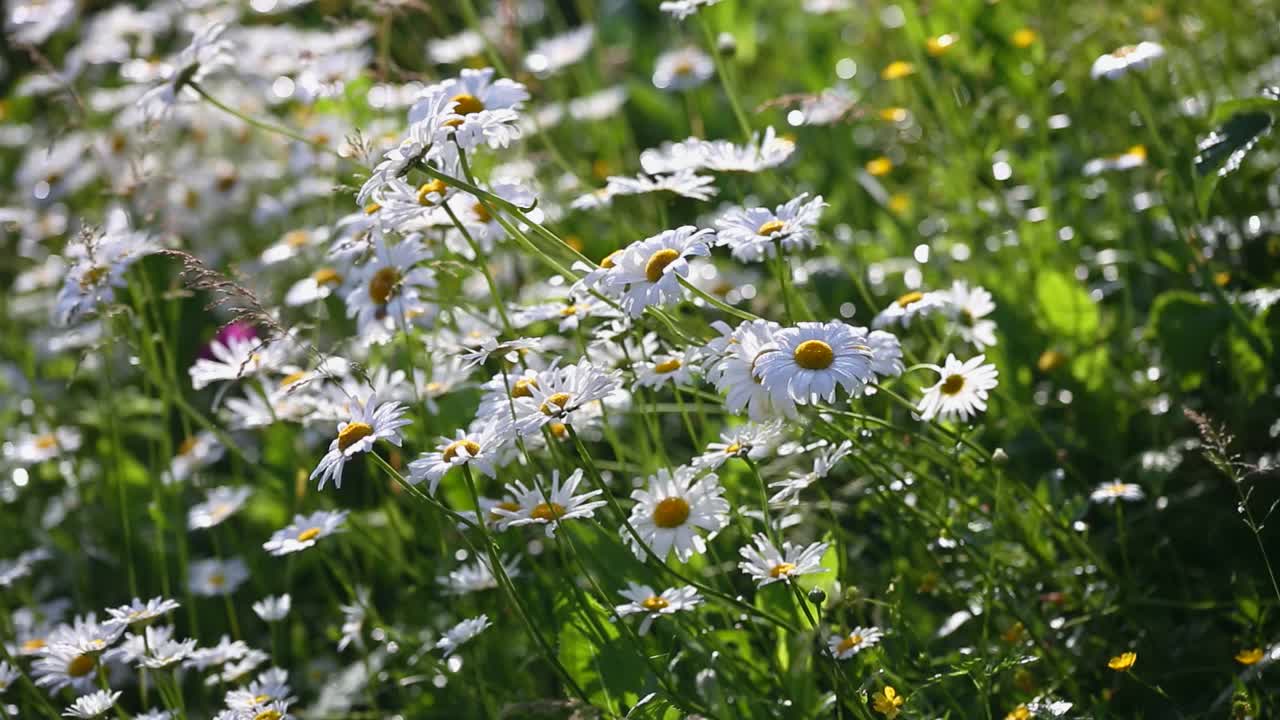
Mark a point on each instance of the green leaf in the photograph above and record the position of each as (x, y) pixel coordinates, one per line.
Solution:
(1222, 152)
(605, 664)
(1186, 326)
(1091, 368)
(1066, 307)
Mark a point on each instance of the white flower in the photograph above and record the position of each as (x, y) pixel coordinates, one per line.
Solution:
(1048, 707)
(305, 531)
(962, 390)
(67, 664)
(480, 447)
(1122, 60)
(369, 422)
(673, 157)
(675, 369)
(213, 577)
(476, 576)
(685, 183)
(681, 9)
(98, 264)
(647, 601)
(198, 451)
(682, 69)
(670, 512)
(753, 234)
(559, 396)
(92, 705)
(139, 611)
(811, 359)
(462, 633)
(843, 647)
(353, 616)
(8, 674)
(1135, 156)
(386, 292)
(220, 504)
(482, 110)
(29, 448)
(273, 608)
(14, 570)
(235, 358)
(557, 505)
(910, 306)
(648, 272)
(455, 48)
(752, 440)
(319, 285)
(1111, 492)
(160, 650)
(734, 372)
(724, 156)
(425, 140)
(555, 53)
(970, 308)
(269, 689)
(225, 651)
(154, 715)
(886, 352)
(206, 53)
(766, 564)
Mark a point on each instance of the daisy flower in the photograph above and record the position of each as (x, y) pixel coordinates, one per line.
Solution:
(61, 665)
(206, 54)
(92, 705)
(685, 183)
(559, 396)
(663, 369)
(669, 513)
(752, 440)
(1134, 157)
(811, 359)
(386, 292)
(98, 265)
(843, 647)
(476, 576)
(759, 154)
(908, 307)
(734, 373)
(479, 447)
(483, 110)
(219, 504)
(648, 272)
(139, 611)
(766, 564)
(235, 357)
(962, 390)
(1112, 492)
(154, 715)
(198, 451)
(462, 633)
(305, 531)
(886, 352)
(652, 605)
(1121, 60)
(557, 505)
(970, 307)
(681, 9)
(558, 52)
(8, 674)
(28, 448)
(752, 234)
(213, 577)
(682, 69)
(273, 608)
(433, 118)
(319, 285)
(270, 687)
(160, 650)
(370, 421)
(673, 157)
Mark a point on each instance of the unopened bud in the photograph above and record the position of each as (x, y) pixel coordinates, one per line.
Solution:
(726, 45)
(817, 596)
(999, 457)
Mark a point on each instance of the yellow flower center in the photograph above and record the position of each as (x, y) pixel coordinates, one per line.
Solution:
(1125, 51)
(879, 167)
(481, 213)
(568, 311)
(93, 276)
(814, 355)
(296, 238)
(268, 714)
(953, 384)
(560, 430)
(45, 442)
(560, 399)
(911, 297)
(309, 534)
(1251, 656)
(217, 580)
(293, 378)
(427, 189)
(384, 284)
(897, 69)
(451, 450)
(33, 645)
(548, 512)
(893, 114)
(682, 68)
(509, 506)
(187, 446)
(658, 262)
(669, 366)
(1024, 38)
(940, 44)
(654, 603)
(326, 276)
(782, 570)
(523, 387)
(671, 512)
(260, 699)
(610, 260)
(771, 227)
(1019, 713)
(466, 104)
(734, 448)
(849, 643)
(372, 208)
(353, 433)
(81, 665)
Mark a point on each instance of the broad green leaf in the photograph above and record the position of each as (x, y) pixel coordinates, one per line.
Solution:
(603, 662)
(1185, 327)
(1067, 309)
(1222, 152)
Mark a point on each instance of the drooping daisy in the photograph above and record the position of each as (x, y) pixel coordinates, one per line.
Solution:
(273, 608)
(214, 577)
(886, 352)
(484, 110)
(961, 392)
(970, 307)
(685, 183)
(673, 157)
(139, 611)
(558, 52)
(93, 705)
(425, 140)
(753, 234)
(681, 9)
(557, 505)
(476, 576)
(766, 564)
(908, 307)
(220, 504)
(648, 272)
(225, 651)
(752, 440)
(370, 421)
(479, 447)
(8, 674)
(305, 531)
(682, 69)
(460, 634)
(386, 292)
(161, 650)
(674, 507)
(561, 395)
(1112, 492)
(1120, 61)
(843, 647)
(206, 53)
(811, 359)
(758, 154)
(653, 605)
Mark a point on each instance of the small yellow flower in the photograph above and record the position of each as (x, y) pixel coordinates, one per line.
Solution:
(1123, 661)
(880, 166)
(940, 44)
(1050, 360)
(897, 70)
(887, 702)
(899, 204)
(894, 114)
(1250, 656)
(1024, 38)
(1222, 278)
